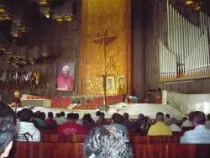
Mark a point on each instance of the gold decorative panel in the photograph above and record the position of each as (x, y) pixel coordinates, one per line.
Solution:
(105, 45)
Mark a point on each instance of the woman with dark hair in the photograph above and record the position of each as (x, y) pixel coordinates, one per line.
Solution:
(117, 122)
(141, 125)
(101, 121)
(107, 142)
(7, 130)
(87, 120)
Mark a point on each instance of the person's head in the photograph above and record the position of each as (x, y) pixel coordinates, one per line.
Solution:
(71, 116)
(65, 70)
(37, 114)
(62, 114)
(87, 117)
(184, 118)
(50, 115)
(26, 115)
(159, 117)
(58, 115)
(199, 118)
(107, 142)
(167, 116)
(141, 116)
(76, 115)
(190, 116)
(101, 116)
(7, 129)
(117, 118)
(126, 116)
(173, 120)
(42, 116)
(208, 117)
(98, 113)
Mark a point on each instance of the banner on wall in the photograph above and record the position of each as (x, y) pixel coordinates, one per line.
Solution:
(65, 76)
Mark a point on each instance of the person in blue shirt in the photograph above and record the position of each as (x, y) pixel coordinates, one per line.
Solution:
(200, 134)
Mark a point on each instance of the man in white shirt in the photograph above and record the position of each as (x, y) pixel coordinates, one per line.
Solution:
(208, 121)
(27, 131)
(188, 122)
(200, 134)
(60, 118)
(173, 126)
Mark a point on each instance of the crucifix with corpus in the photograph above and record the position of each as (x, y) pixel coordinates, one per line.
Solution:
(105, 40)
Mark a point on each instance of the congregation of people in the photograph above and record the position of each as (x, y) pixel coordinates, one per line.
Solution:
(106, 135)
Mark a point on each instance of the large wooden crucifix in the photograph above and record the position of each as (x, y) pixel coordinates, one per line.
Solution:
(105, 40)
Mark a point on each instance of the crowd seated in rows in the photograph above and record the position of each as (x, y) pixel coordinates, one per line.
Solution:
(72, 124)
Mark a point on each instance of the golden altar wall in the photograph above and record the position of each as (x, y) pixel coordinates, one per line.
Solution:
(102, 19)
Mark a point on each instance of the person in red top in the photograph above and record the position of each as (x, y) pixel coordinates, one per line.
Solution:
(50, 122)
(71, 127)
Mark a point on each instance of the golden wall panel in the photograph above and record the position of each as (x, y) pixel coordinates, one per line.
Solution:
(98, 16)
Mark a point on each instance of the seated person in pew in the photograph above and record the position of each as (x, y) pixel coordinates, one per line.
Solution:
(188, 122)
(207, 123)
(50, 122)
(107, 142)
(39, 117)
(141, 125)
(27, 130)
(159, 128)
(101, 121)
(200, 134)
(71, 127)
(7, 129)
(118, 123)
(173, 126)
(167, 119)
(129, 124)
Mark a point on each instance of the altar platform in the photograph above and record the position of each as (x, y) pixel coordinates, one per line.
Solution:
(134, 109)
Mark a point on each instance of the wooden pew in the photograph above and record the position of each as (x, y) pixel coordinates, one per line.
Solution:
(154, 139)
(75, 150)
(47, 150)
(171, 151)
(55, 138)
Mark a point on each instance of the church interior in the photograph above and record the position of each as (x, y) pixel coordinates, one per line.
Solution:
(116, 56)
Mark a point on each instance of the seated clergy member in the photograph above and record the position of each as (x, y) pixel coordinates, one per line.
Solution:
(7, 129)
(107, 142)
(200, 134)
(27, 131)
(71, 127)
(159, 128)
